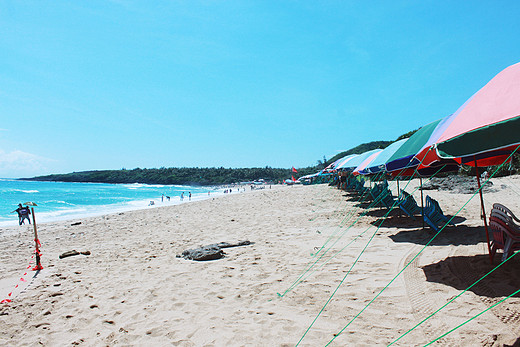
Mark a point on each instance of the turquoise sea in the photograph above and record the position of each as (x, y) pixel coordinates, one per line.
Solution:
(62, 201)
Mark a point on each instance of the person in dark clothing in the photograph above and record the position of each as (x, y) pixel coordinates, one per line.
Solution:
(23, 213)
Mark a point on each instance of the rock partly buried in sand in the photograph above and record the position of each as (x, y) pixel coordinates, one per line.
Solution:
(203, 253)
(210, 252)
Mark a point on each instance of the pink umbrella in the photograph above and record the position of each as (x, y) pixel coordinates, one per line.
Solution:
(485, 128)
(484, 131)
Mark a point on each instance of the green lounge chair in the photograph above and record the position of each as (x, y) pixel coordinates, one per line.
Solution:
(433, 215)
(408, 205)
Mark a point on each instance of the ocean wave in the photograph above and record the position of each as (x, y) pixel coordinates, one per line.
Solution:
(59, 202)
(22, 190)
(142, 185)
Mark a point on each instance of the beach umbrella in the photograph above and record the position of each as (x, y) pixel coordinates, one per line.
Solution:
(343, 163)
(351, 163)
(484, 131)
(485, 128)
(366, 162)
(378, 164)
(405, 159)
(404, 156)
(333, 165)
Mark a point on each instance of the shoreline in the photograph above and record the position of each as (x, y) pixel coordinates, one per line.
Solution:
(86, 211)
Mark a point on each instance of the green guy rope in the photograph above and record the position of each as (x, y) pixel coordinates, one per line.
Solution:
(469, 320)
(453, 299)
(427, 244)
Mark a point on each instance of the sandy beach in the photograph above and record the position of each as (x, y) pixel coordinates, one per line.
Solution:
(134, 290)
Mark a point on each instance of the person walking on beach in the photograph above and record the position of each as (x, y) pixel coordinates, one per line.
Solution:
(190, 196)
(182, 196)
(23, 213)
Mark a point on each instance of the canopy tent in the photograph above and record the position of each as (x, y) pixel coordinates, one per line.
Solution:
(367, 161)
(352, 163)
(378, 164)
(486, 127)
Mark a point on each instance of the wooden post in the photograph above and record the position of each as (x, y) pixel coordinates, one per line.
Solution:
(483, 211)
(37, 242)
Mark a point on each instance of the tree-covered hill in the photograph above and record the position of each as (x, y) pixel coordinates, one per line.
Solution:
(184, 176)
(368, 147)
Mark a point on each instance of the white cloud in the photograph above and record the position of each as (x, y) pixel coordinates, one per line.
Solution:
(22, 164)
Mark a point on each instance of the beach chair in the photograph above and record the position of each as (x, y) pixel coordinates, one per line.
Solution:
(376, 191)
(359, 186)
(505, 232)
(386, 199)
(433, 215)
(407, 204)
(382, 195)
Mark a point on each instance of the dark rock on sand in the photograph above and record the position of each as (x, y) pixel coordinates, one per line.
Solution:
(210, 252)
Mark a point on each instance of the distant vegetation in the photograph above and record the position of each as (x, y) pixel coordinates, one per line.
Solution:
(182, 176)
(206, 176)
(368, 147)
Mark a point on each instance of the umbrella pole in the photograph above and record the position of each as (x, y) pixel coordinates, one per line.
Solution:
(483, 211)
(422, 204)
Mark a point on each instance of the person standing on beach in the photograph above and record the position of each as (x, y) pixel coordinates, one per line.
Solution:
(23, 213)
(182, 196)
(190, 196)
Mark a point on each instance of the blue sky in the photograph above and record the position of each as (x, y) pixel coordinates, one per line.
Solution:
(87, 85)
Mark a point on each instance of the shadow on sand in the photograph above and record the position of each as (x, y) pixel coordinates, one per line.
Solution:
(451, 235)
(462, 271)
(402, 221)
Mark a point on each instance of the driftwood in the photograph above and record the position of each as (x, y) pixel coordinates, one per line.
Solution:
(210, 252)
(72, 253)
